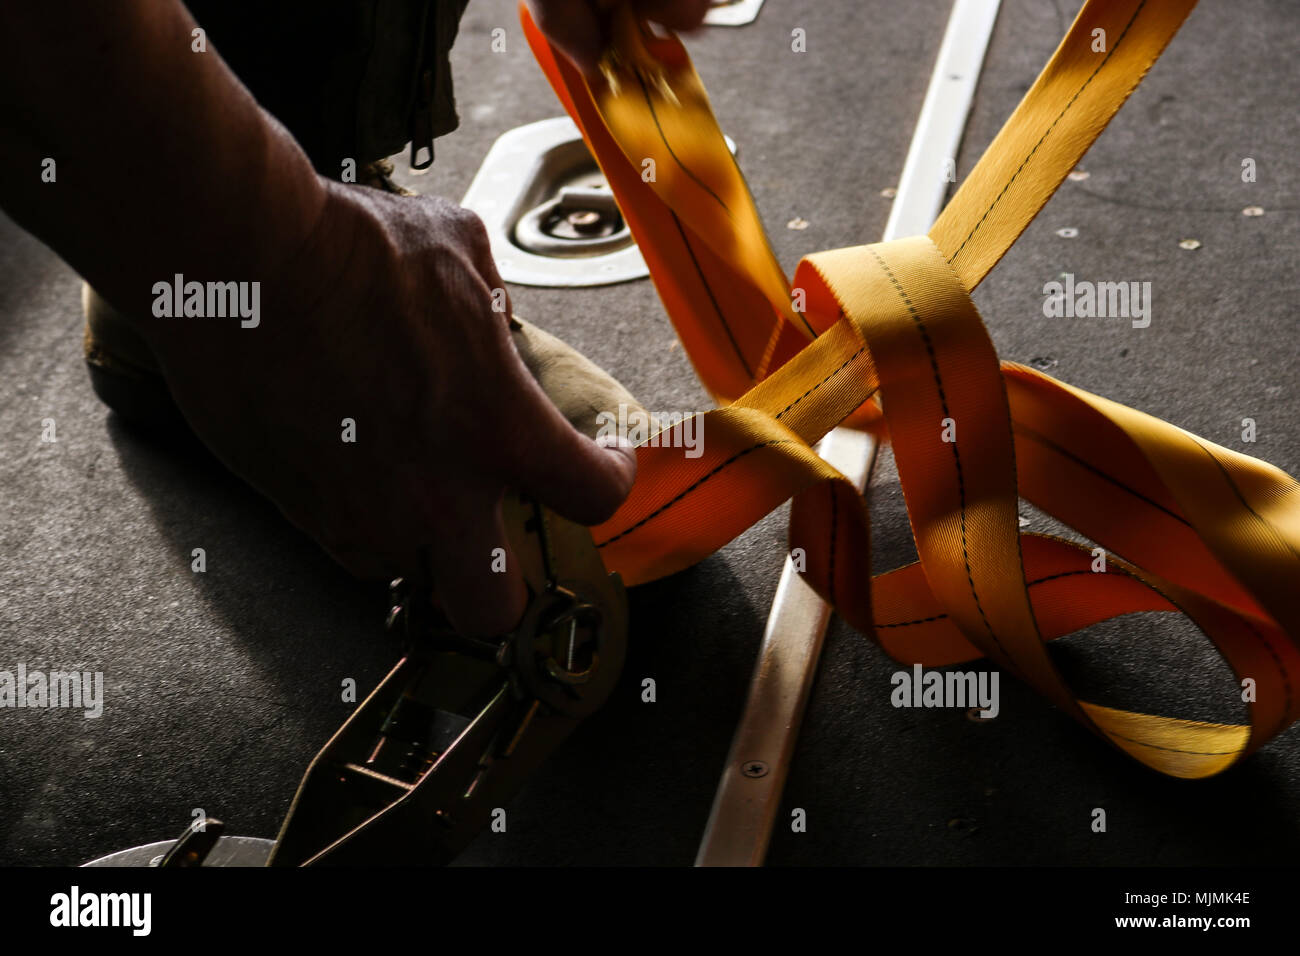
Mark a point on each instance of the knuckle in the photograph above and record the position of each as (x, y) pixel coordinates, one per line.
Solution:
(466, 221)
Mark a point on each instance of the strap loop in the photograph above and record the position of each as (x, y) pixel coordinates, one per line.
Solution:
(1187, 526)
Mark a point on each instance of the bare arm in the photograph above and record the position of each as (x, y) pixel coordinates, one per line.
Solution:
(374, 307)
(164, 162)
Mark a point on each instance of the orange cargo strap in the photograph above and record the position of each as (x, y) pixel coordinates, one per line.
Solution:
(1189, 526)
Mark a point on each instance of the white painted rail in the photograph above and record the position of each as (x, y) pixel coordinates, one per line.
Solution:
(749, 795)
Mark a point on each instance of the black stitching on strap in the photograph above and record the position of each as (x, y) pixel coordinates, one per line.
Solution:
(712, 298)
(664, 139)
(1286, 679)
(1077, 94)
(822, 382)
(1173, 750)
(956, 455)
(1042, 439)
(940, 617)
(664, 507)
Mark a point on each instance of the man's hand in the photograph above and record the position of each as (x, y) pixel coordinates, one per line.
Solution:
(577, 28)
(373, 307)
(394, 316)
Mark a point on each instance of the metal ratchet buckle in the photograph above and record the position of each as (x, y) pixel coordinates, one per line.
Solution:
(455, 729)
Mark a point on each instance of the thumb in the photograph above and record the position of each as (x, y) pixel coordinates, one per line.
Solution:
(577, 477)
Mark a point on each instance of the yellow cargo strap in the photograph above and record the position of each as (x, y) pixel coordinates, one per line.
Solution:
(1201, 529)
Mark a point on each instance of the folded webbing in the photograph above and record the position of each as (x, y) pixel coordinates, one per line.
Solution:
(1188, 526)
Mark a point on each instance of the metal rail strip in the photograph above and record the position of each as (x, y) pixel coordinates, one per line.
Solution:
(749, 794)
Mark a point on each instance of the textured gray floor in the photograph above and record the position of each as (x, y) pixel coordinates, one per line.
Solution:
(221, 686)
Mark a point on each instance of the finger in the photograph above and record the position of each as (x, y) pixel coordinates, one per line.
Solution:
(581, 479)
(573, 28)
(675, 14)
(475, 575)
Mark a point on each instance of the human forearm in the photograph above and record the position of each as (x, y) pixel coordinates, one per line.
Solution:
(163, 162)
(379, 399)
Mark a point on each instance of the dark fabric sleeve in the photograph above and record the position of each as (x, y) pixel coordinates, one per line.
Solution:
(351, 79)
